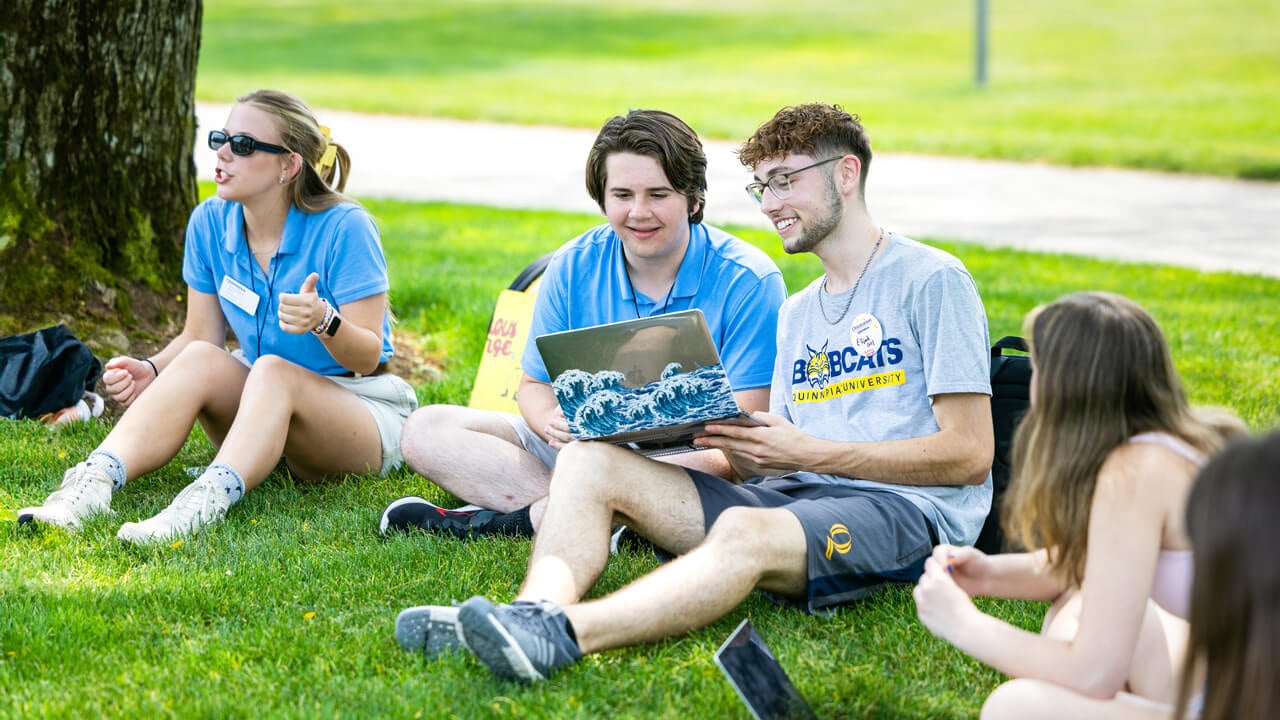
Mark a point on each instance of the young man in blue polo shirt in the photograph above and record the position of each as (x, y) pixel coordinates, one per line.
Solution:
(647, 172)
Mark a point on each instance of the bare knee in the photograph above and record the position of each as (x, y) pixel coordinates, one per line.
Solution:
(602, 474)
(587, 466)
(275, 377)
(753, 523)
(205, 368)
(770, 541)
(433, 431)
(271, 367)
(201, 354)
(1014, 700)
(417, 428)
(739, 529)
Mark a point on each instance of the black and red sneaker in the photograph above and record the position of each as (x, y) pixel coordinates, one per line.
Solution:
(466, 522)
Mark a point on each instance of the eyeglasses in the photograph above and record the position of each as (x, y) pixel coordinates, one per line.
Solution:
(780, 184)
(243, 144)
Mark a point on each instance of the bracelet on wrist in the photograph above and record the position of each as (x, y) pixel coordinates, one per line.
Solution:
(154, 369)
(329, 325)
(327, 320)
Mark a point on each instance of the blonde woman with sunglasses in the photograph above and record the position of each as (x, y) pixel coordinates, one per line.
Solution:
(295, 269)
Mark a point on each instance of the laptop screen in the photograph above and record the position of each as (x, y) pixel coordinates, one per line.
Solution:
(759, 678)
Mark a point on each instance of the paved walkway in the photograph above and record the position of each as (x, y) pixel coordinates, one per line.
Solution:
(1194, 221)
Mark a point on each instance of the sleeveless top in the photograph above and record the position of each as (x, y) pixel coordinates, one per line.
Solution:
(1172, 587)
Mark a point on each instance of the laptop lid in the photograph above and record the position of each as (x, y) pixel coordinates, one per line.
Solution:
(758, 677)
(648, 383)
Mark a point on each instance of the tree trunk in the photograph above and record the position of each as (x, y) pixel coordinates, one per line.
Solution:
(97, 119)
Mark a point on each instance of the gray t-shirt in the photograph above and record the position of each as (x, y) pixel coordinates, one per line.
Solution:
(916, 328)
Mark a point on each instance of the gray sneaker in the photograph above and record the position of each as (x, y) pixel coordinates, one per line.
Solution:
(429, 629)
(201, 503)
(522, 640)
(84, 491)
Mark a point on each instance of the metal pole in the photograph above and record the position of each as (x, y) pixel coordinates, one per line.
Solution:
(980, 45)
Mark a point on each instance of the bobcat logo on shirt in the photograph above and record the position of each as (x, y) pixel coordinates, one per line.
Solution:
(818, 371)
(824, 374)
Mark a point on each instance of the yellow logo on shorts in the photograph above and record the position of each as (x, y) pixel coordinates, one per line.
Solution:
(841, 546)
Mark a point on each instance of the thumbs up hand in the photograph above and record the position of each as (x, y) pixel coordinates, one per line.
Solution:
(301, 311)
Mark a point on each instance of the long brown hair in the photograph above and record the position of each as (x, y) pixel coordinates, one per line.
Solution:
(1102, 374)
(319, 185)
(1235, 597)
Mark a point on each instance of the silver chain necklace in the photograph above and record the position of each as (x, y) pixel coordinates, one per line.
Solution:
(848, 303)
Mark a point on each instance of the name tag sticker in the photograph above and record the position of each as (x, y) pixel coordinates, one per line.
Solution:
(239, 295)
(867, 334)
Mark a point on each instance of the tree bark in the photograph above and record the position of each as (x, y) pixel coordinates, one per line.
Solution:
(97, 120)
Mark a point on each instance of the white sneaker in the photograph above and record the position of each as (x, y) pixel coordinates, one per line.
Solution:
(84, 491)
(201, 503)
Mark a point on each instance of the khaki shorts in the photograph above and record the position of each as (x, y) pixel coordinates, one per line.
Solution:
(530, 441)
(390, 400)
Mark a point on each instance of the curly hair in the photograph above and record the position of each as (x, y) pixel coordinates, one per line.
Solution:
(815, 129)
(661, 136)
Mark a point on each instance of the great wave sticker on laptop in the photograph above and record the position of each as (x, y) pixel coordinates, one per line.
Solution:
(649, 384)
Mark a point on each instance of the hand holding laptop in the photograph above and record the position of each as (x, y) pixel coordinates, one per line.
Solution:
(771, 446)
(557, 430)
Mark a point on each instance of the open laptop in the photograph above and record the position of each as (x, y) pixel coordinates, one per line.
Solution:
(648, 383)
(759, 678)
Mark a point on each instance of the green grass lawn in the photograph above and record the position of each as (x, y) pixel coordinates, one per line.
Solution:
(286, 608)
(1180, 85)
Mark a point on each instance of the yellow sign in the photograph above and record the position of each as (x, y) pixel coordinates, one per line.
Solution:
(498, 377)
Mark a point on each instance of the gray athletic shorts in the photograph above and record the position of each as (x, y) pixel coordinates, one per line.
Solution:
(530, 441)
(390, 401)
(857, 539)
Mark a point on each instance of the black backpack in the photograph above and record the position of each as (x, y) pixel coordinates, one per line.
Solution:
(44, 371)
(1010, 398)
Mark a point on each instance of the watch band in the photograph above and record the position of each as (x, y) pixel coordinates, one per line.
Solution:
(328, 324)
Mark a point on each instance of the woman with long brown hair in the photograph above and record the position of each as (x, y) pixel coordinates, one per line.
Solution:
(1103, 463)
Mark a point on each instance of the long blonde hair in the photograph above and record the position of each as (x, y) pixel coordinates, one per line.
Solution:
(1102, 374)
(319, 185)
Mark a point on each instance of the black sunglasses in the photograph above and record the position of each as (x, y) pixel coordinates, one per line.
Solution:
(243, 144)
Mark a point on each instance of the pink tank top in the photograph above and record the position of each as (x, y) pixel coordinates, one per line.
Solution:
(1172, 587)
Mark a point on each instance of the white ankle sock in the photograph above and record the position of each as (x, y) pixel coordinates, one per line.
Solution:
(111, 464)
(228, 478)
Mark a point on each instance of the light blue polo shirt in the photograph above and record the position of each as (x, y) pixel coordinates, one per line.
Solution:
(737, 287)
(341, 244)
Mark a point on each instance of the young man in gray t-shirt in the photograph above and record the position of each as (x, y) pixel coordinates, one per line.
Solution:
(878, 444)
